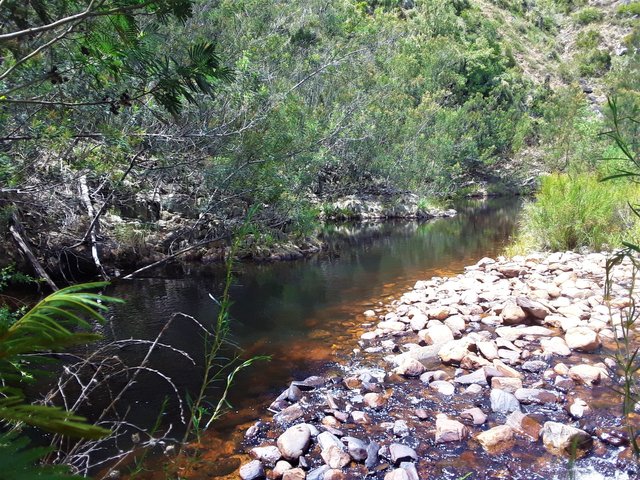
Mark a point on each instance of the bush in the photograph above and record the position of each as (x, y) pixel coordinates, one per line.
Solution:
(588, 39)
(587, 15)
(573, 211)
(629, 10)
(594, 63)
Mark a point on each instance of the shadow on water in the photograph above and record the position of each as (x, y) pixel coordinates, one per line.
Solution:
(305, 314)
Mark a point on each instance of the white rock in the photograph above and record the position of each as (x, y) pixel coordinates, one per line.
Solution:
(582, 338)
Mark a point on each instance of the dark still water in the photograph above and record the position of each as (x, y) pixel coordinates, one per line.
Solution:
(304, 314)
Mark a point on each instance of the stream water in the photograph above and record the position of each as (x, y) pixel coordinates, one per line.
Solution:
(305, 314)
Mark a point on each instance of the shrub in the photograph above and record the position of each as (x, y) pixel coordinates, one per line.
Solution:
(587, 15)
(594, 63)
(573, 211)
(588, 40)
(629, 10)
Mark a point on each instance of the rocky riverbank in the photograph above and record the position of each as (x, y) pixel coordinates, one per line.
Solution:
(504, 371)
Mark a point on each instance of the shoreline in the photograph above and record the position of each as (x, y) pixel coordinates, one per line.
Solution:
(504, 359)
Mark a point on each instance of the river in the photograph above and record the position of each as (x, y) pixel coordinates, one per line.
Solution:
(304, 314)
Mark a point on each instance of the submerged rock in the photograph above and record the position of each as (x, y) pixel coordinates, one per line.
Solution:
(448, 430)
(495, 438)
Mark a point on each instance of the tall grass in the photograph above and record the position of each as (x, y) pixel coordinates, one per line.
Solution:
(573, 211)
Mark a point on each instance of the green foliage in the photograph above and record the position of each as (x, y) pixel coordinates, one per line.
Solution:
(56, 322)
(594, 63)
(573, 211)
(588, 39)
(588, 15)
(629, 10)
(21, 463)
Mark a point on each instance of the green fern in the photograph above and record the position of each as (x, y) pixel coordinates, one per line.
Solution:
(56, 322)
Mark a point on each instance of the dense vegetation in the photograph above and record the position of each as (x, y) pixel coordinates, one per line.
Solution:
(144, 128)
(135, 130)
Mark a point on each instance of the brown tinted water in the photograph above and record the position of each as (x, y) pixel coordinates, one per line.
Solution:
(305, 314)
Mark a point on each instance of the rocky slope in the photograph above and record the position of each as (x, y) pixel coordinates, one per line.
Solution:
(503, 371)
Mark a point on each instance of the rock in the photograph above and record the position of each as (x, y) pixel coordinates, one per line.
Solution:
(418, 322)
(561, 439)
(524, 425)
(369, 313)
(503, 402)
(436, 334)
(495, 438)
(410, 468)
(310, 383)
(269, 454)
(536, 309)
(294, 441)
(456, 324)
(443, 387)
(252, 470)
(475, 415)
(507, 384)
(392, 326)
(454, 351)
(448, 430)
(439, 313)
(586, 374)
(335, 457)
(534, 366)
(578, 408)
(397, 474)
(356, 448)
(473, 389)
(478, 377)
(281, 467)
(400, 428)
(400, 453)
(289, 414)
(505, 370)
(372, 455)
(360, 418)
(536, 395)
(555, 346)
(410, 367)
(510, 333)
(510, 270)
(512, 314)
(582, 339)
(315, 474)
(488, 349)
(334, 474)
(327, 439)
(374, 400)
(297, 474)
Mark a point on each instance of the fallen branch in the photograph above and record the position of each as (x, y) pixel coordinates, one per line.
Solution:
(174, 255)
(17, 231)
(84, 194)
